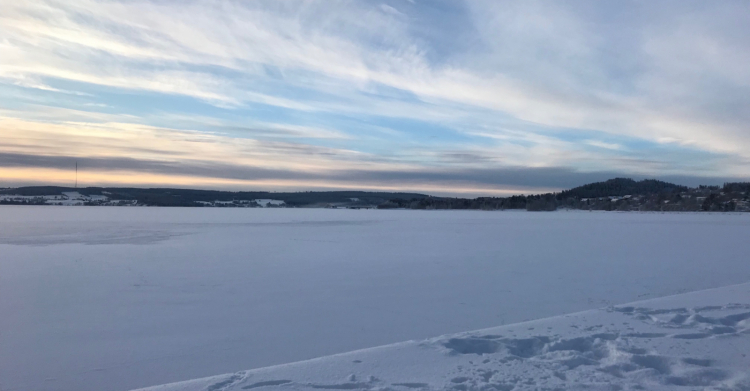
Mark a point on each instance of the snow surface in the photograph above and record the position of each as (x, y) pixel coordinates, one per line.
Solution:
(698, 340)
(113, 298)
(71, 198)
(265, 202)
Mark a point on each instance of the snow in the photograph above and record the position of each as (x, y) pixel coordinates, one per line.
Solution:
(699, 339)
(73, 195)
(16, 197)
(12, 197)
(265, 202)
(119, 298)
(70, 198)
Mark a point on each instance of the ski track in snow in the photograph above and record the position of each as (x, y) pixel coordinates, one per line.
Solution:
(657, 344)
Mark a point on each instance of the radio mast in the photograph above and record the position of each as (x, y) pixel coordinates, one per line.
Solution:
(76, 174)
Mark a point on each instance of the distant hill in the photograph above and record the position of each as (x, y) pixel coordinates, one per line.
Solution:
(191, 197)
(619, 187)
(620, 194)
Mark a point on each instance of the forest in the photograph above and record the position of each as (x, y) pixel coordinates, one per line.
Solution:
(618, 194)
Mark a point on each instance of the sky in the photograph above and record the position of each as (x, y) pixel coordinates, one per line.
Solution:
(464, 98)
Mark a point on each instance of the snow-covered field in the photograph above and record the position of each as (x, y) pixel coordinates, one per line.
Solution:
(71, 198)
(120, 298)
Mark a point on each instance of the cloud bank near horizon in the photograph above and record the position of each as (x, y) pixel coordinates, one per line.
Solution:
(476, 97)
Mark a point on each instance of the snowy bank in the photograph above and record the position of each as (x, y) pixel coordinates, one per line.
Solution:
(688, 341)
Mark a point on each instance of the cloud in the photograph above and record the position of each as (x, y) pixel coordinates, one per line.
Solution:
(584, 86)
(29, 81)
(468, 182)
(390, 10)
(119, 153)
(601, 144)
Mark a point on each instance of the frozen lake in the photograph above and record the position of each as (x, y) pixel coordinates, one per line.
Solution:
(117, 298)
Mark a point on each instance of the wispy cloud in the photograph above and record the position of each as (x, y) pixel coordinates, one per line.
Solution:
(332, 85)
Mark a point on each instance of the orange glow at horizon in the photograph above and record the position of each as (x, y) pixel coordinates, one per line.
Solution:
(13, 177)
